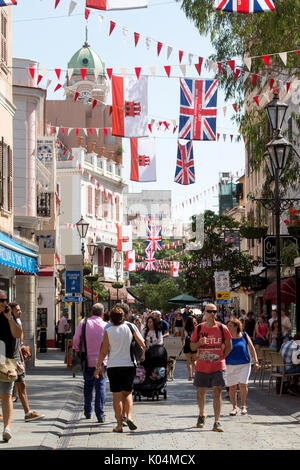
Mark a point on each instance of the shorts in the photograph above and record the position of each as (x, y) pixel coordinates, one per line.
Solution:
(6, 387)
(237, 374)
(214, 379)
(21, 378)
(121, 378)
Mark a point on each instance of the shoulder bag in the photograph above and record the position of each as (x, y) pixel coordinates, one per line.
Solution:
(136, 351)
(79, 360)
(8, 370)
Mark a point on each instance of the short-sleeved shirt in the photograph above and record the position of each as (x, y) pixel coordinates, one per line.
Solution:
(211, 355)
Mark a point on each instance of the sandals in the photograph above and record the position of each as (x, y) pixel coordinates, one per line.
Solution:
(117, 430)
(244, 410)
(131, 425)
(233, 412)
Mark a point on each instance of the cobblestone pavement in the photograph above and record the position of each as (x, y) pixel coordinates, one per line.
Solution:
(273, 423)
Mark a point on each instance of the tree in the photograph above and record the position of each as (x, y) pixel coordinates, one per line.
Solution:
(235, 36)
(216, 255)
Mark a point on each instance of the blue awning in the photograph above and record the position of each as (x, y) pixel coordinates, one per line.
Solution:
(16, 256)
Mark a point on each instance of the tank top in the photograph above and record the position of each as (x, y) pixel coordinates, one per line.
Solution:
(239, 353)
(119, 338)
(262, 331)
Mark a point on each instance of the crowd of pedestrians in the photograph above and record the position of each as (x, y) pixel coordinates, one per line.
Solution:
(219, 349)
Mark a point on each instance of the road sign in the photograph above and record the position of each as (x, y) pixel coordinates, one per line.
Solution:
(222, 295)
(224, 302)
(73, 282)
(74, 299)
(269, 248)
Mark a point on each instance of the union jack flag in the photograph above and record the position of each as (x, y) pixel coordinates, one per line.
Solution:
(185, 170)
(198, 109)
(244, 6)
(153, 238)
(150, 261)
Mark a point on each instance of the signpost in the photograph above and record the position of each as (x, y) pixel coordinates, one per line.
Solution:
(73, 282)
(74, 299)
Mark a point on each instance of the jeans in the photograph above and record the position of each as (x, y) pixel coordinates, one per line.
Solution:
(90, 382)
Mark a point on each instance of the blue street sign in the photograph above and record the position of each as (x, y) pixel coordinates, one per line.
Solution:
(224, 302)
(73, 283)
(74, 299)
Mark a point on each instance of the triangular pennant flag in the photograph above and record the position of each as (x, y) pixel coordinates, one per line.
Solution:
(148, 42)
(56, 3)
(105, 131)
(77, 131)
(58, 72)
(247, 62)
(237, 72)
(109, 73)
(94, 103)
(76, 96)
(159, 46)
(180, 56)
(256, 100)
(220, 67)
(136, 38)
(150, 128)
(48, 83)
(123, 71)
(183, 69)
(169, 51)
(167, 69)
(266, 59)
(70, 130)
(58, 86)
(234, 107)
(70, 73)
(153, 71)
(91, 131)
(246, 75)
(32, 72)
(39, 79)
(199, 65)
(288, 84)
(83, 73)
(271, 83)
(283, 57)
(72, 7)
(100, 19)
(224, 110)
(190, 56)
(231, 64)
(111, 27)
(254, 78)
(138, 71)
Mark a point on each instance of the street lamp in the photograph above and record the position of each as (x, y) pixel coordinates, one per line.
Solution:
(92, 248)
(276, 111)
(82, 228)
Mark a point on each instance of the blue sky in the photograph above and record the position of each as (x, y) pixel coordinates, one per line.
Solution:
(51, 37)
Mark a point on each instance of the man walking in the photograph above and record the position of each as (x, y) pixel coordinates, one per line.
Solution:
(214, 343)
(94, 331)
(164, 326)
(9, 331)
(63, 326)
(20, 384)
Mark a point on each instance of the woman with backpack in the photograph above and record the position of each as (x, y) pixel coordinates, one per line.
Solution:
(191, 356)
(238, 364)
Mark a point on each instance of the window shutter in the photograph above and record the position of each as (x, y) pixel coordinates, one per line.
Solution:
(9, 182)
(1, 171)
(96, 202)
(104, 205)
(90, 202)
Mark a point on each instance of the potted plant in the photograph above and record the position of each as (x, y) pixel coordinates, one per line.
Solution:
(252, 229)
(293, 223)
(117, 285)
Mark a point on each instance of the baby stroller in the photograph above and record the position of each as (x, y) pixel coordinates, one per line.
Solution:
(153, 383)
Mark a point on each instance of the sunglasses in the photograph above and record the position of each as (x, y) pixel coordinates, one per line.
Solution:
(3, 300)
(211, 311)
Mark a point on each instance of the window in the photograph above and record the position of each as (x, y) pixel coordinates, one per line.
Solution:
(90, 200)
(98, 212)
(107, 257)
(100, 257)
(5, 176)
(3, 37)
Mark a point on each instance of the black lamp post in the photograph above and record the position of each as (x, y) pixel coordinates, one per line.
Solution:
(92, 248)
(82, 228)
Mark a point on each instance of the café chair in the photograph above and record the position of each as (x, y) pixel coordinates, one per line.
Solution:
(278, 370)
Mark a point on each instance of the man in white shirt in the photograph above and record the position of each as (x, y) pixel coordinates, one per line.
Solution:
(63, 328)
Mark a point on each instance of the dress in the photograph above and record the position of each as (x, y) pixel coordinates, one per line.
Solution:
(238, 363)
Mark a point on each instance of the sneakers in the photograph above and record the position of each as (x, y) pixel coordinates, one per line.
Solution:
(201, 421)
(33, 416)
(217, 427)
(101, 420)
(124, 421)
(6, 435)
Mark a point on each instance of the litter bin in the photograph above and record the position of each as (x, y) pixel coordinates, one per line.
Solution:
(43, 340)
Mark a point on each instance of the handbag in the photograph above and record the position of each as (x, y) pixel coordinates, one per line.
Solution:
(79, 360)
(136, 351)
(8, 370)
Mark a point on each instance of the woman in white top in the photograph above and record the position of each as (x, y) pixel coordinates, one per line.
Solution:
(120, 368)
(152, 332)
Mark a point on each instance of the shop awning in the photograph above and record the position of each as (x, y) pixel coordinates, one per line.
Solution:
(46, 271)
(287, 288)
(16, 256)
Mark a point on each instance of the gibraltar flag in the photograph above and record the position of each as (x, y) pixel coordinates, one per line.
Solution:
(124, 233)
(116, 4)
(143, 160)
(129, 106)
(130, 261)
(174, 272)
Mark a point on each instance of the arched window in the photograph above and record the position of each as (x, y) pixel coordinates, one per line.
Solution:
(107, 257)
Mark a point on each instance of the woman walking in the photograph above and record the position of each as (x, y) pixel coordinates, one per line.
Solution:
(238, 365)
(191, 356)
(261, 333)
(178, 324)
(120, 368)
(152, 332)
